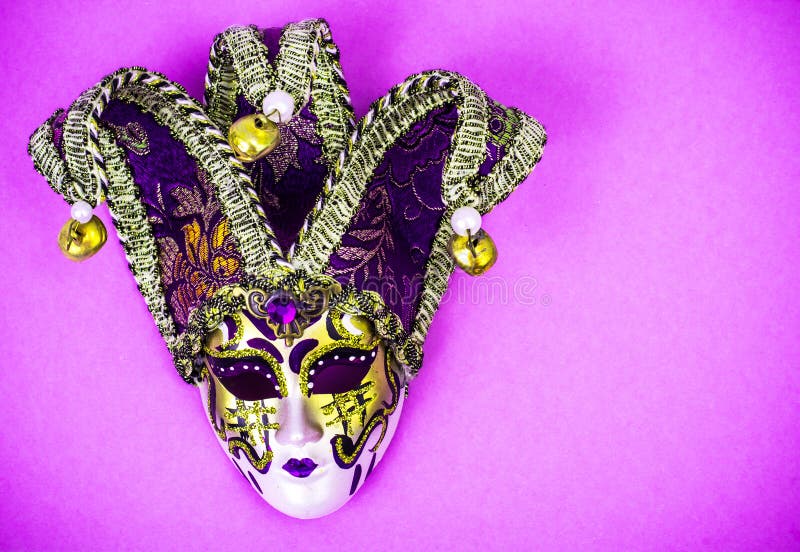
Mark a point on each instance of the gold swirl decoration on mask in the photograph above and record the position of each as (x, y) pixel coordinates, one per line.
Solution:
(346, 452)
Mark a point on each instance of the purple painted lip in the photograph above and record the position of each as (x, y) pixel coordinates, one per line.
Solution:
(300, 468)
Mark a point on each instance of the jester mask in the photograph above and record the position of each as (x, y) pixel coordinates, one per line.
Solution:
(291, 256)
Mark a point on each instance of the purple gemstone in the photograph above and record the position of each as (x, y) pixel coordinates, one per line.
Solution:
(281, 308)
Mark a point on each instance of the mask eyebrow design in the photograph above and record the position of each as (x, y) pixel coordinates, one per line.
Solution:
(338, 329)
(299, 352)
(232, 332)
(234, 326)
(266, 346)
(258, 348)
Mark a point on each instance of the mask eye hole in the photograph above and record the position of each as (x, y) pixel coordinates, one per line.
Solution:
(246, 378)
(340, 370)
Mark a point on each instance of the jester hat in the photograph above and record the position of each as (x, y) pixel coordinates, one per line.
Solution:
(361, 209)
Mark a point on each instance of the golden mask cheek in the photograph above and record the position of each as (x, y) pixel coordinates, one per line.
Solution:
(348, 413)
(244, 427)
(341, 413)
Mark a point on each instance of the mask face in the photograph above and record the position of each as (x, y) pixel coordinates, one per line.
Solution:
(305, 420)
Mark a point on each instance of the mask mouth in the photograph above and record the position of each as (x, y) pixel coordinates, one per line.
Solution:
(300, 468)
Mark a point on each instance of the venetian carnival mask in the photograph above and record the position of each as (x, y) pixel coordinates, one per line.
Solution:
(292, 257)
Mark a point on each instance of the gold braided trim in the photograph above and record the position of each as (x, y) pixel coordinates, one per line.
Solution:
(295, 61)
(135, 234)
(322, 80)
(437, 275)
(81, 143)
(46, 159)
(247, 52)
(220, 85)
(468, 148)
(516, 165)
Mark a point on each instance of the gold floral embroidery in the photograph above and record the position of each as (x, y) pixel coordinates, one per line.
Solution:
(206, 265)
(194, 268)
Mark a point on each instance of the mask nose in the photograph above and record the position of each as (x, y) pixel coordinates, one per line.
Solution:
(296, 427)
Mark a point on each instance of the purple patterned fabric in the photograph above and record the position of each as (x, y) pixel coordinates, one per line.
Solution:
(387, 245)
(289, 178)
(196, 250)
(58, 131)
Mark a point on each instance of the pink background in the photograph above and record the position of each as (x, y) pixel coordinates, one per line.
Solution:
(644, 394)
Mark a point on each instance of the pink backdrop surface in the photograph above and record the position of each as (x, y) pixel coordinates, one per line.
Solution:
(639, 387)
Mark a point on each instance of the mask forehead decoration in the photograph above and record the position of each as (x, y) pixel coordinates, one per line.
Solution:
(292, 257)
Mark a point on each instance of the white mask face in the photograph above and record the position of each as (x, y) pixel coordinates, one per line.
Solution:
(304, 420)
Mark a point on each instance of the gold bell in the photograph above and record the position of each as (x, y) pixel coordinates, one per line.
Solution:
(473, 253)
(253, 136)
(79, 241)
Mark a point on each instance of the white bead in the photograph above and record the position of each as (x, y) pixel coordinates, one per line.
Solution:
(466, 220)
(278, 106)
(81, 211)
(310, 384)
